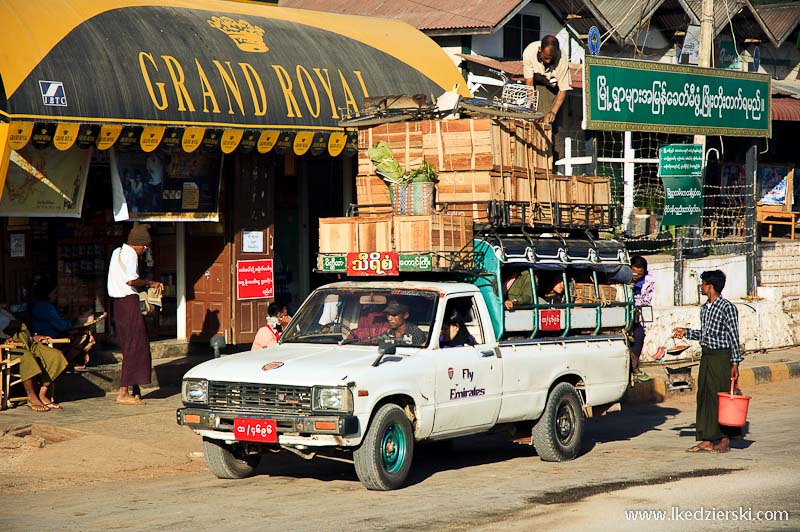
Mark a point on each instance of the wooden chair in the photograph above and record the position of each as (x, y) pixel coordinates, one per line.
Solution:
(9, 375)
(770, 215)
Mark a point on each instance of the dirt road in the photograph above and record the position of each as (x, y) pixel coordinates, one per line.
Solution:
(134, 472)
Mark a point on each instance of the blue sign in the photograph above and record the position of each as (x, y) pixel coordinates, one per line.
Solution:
(594, 40)
(756, 58)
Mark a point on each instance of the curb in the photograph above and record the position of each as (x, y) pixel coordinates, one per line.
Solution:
(655, 390)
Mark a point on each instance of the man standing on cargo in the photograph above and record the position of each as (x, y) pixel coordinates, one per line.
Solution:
(719, 340)
(546, 68)
(403, 331)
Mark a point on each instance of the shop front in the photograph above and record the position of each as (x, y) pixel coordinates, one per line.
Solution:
(215, 122)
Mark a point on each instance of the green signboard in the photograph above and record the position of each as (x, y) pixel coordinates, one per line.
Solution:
(679, 160)
(628, 95)
(415, 263)
(333, 263)
(683, 200)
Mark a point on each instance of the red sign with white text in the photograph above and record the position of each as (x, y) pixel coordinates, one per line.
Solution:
(373, 263)
(550, 320)
(263, 430)
(255, 279)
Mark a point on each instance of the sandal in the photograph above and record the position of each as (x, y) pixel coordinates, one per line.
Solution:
(641, 376)
(699, 448)
(38, 408)
(53, 406)
(130, 400)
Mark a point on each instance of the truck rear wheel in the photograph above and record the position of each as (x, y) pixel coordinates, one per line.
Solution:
(383, 459)
(558, 434)
(226, 461)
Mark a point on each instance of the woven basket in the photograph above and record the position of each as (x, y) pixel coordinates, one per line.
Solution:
(414, 198)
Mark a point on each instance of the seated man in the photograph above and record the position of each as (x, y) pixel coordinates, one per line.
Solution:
(403, 331)
(518, 289)
(36, 360)
(47, 321)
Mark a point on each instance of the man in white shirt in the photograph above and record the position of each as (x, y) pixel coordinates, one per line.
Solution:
(123, 276)
(546, 68)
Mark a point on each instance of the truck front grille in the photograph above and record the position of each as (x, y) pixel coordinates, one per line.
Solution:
(259, 398)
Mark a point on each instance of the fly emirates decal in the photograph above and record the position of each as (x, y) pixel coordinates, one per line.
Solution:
(464, 392)
(240, 89)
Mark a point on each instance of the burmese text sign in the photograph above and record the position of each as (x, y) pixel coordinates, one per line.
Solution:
(628, 95)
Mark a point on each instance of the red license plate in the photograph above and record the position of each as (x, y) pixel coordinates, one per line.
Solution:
(260, 430)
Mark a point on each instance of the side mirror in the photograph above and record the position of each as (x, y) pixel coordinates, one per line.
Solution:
(387, 347)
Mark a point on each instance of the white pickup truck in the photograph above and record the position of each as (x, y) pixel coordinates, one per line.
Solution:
(364, 371)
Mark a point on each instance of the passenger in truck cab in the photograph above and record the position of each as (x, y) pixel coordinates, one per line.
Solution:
(454, 330)
(403, 331)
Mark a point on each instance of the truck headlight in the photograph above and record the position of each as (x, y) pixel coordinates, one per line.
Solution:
(339, 399)
(195, 391)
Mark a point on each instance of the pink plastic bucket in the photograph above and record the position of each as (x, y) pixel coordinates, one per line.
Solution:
(732, 408)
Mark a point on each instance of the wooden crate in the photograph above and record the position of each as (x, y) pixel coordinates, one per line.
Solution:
(372, 190)
(466, 193)
(553, 188)
(337, 235)
(520, 143)
(373, 233)
(601, 190)
(351, 234)
(448, 145)
(432, 232)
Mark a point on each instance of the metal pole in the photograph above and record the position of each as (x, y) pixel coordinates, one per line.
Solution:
(678, 267)
(751, 166)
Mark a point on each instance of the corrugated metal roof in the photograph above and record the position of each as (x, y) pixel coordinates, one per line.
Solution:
(425, 15)
(781, 19)
(626, 16)
(747, 22)
(786, 109)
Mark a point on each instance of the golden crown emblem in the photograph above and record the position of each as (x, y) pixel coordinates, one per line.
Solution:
(247, 37)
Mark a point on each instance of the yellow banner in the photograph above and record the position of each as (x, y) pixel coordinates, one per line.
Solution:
(19, 134)
(336, 144)
(5, 154)
(192, 137)
(108, 136)
(230, 140)
(65, 136)
(302, 142)
(151, 138)
(267, 141)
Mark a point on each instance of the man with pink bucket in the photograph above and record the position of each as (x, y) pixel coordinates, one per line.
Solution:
(719, 365)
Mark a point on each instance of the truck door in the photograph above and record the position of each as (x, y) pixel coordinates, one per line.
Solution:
(469, 378)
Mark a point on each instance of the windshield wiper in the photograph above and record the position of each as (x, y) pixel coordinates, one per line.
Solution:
(311, 335)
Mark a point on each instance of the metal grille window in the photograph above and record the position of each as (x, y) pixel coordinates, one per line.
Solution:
(518, 33)
(259, 398)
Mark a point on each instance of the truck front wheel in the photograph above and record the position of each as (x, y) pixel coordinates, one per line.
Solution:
(226, 461)
(558, 434)
(383, 459)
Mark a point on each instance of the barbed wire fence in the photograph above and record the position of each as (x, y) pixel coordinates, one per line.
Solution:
(722, 229)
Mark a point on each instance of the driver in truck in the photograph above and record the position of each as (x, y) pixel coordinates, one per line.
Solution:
(403, 331)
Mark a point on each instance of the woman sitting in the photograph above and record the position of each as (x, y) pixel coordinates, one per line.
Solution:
(454, 331)
(270, 333)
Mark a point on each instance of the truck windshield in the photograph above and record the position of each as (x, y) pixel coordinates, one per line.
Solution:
(363, 317)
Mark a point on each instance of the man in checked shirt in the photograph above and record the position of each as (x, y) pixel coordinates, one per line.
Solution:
(719, 340)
